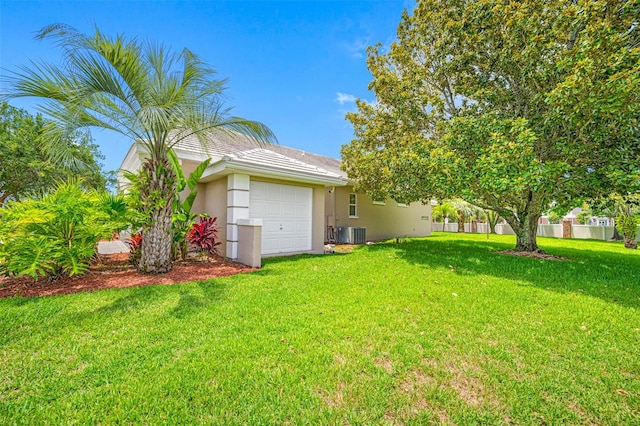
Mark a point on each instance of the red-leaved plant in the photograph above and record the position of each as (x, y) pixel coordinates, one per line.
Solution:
(135, 248)
(204, 235)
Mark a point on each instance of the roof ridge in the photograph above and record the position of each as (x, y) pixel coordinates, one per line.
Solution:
(219, 145)
(283, 156)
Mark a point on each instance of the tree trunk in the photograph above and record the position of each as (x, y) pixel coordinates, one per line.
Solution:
(526, 229)
(492, 220)
(630, 242)
(461, 219)
(492, 227)
(157, 197)
(184, 249)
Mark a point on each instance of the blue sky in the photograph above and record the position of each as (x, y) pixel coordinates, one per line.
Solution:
(297, 66)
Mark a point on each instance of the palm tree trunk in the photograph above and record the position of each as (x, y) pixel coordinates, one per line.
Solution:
(630, 242)
(156, 244)
(157, 198)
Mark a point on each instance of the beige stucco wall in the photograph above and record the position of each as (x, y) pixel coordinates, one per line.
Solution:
(212, 200)
(382, 221)
(250, 242)
(318, 220)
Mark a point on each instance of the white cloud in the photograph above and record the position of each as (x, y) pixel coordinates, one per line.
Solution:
(358, 48)
(343, 98)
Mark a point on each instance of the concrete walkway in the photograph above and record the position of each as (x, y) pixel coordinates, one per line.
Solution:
(112, 247)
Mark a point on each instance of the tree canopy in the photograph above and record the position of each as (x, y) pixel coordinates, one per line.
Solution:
(26, 168)
(510, 105)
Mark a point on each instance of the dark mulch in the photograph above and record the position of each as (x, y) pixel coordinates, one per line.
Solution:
(534, 255)
(115, 271)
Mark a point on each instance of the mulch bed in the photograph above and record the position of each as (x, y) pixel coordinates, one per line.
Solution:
(115, 271)
(534, 255)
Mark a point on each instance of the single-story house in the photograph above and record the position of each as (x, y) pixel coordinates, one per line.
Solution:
(300, 199)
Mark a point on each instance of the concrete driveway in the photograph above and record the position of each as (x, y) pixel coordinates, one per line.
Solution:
(112, 247)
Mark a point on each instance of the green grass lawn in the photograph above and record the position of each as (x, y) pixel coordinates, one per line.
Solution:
(440, 330)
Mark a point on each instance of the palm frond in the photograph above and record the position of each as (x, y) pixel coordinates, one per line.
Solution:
(141, 90)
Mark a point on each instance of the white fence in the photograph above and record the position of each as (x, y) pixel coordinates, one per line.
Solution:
(592, 232)
(577, 231)
(503, 229)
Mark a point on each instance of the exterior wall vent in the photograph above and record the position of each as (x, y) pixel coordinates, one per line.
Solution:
(351, 235)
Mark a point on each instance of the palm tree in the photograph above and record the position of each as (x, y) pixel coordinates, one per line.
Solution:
(465, 211)
(444, 210)
(624, 209)
(143, 91)
(492, 219)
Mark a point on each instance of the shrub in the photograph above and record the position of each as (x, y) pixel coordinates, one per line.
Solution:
(135, 248)
(183, 218)
(55, 235)
(583, 218)
(628, 227)
(554, 217)
(204, 235)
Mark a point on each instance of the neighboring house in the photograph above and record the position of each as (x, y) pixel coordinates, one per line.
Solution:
(572, 216)
(297, 196)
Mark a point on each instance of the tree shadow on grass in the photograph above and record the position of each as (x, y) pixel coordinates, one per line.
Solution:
(135, 298)
(191, 300)
(609, 276)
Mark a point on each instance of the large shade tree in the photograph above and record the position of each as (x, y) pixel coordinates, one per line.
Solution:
(510, 105)
(142, 90)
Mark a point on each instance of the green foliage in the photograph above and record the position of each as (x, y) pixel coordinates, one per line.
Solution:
(583, 218)
(141, 90)
(143, 195)
(443, 211)
(554, 217)
(183, 218)
(26, 167)
(628, 227)
(492, 219)
(466, 212)
(598, 98)
(57, 234)
(136, 216)
(616, 205)
(508, 105)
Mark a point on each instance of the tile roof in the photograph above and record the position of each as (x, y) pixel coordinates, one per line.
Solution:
(236, 148)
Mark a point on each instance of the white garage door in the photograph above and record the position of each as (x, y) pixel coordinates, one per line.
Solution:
(285, 211)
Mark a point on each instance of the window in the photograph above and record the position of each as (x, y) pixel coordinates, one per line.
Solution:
(353, 208)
